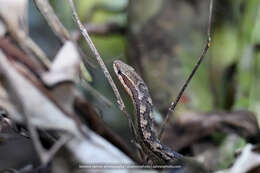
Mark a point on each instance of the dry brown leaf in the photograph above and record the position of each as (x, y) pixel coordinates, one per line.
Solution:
(65, 67)
(30, 102)
(63, 74)
(191, 127)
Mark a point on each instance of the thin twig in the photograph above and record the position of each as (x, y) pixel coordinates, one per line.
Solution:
(46, 156)
(100, 61)
(56, 25)
(36, 140)
(57, 146)
(53, 21)
(205, 50)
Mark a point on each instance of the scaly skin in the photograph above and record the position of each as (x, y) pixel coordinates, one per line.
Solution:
(158, 153)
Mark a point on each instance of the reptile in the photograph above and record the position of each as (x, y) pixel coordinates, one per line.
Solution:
(146, 137)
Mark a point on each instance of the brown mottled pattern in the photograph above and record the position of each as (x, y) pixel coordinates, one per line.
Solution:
(136, 88)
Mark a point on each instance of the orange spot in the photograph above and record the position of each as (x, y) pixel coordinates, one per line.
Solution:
(184, 99)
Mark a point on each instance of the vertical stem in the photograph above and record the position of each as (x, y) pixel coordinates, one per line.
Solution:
(204, 52)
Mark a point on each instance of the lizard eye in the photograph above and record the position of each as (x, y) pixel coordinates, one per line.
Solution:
(119, 72)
